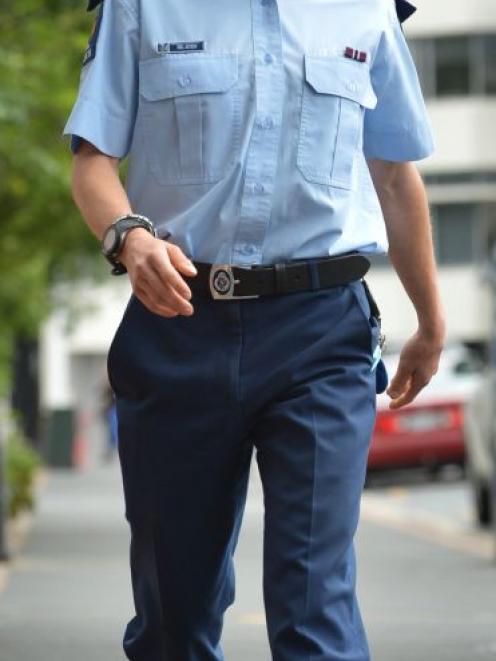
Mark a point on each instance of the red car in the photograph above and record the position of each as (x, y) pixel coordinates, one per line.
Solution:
(430, 430)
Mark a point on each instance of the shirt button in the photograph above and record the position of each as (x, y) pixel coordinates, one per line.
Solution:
(184, 81)
(258, 188)
(248, 249)
(264, 122)
(268, 59)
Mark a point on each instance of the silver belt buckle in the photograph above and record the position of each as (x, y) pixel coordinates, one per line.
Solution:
(221, 282)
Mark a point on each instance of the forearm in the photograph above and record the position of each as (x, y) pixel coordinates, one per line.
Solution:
(405, 208)
(97, 189)
(406, 213)
(154, 266)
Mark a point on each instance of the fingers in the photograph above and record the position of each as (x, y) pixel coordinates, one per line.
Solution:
(419, 361)
(149, 280)
(161, 296)
(170, 287)
(400, 381)
(403, 391)
(165, 267)
(151, 303)
(179, 260)
(156, 281)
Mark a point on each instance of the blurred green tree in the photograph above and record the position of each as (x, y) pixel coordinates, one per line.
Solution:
(42, 238)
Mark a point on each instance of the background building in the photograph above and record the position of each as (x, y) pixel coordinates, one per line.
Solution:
(454, 47)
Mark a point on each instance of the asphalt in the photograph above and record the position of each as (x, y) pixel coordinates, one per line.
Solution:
(67, 595)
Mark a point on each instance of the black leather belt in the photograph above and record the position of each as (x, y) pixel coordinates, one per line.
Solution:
(231, 281)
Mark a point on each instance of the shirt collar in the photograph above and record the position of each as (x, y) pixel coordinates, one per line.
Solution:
(404, 9)
(92, 4)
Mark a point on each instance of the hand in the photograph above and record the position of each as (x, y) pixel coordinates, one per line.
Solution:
(419, 361)
(153, 266)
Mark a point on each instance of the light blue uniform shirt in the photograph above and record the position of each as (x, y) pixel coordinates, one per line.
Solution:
(248, 123)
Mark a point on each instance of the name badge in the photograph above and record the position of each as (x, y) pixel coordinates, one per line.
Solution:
(181, 47)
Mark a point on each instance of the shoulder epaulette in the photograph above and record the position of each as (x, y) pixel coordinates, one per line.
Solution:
(404, 9)
(93, 4)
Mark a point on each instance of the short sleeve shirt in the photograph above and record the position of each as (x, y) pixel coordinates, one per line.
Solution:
(248, 124)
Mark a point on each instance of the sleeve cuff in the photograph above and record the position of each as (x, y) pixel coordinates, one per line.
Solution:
(110, 134)
(399, 145)
(75, 142)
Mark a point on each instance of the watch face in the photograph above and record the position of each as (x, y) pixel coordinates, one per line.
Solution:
(110, 241)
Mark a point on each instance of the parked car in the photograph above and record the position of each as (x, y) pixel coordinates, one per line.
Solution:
(430, 430)
(480, 432)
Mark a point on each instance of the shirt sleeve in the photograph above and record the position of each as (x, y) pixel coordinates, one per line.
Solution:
(398, 128)
(105, 109)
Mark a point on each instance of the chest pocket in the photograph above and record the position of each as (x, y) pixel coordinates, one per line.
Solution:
(190, 116)
(336, 91)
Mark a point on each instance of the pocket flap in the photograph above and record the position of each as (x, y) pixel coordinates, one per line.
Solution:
(176, 75)
(341, 76)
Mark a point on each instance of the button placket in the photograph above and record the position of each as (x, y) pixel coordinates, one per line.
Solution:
(261, 163)
(266, 122)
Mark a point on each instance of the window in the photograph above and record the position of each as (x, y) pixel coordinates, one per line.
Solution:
(456, 65)
(424, 57)
(462, 234)
(452, 66)
(490, 63)
(461, 177)
(455, 228)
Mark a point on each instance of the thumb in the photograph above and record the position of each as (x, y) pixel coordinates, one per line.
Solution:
(399, 383)
(180, 261)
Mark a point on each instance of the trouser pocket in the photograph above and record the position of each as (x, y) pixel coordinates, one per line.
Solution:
(115, 341)
(372, 313)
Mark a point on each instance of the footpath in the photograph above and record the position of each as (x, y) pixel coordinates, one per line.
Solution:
(67, 594)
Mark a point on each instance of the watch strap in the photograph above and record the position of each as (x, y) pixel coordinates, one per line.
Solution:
(122, 226)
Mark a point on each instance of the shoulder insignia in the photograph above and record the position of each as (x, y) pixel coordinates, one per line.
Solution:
(93, 4)
(404, 9)
(90, 52)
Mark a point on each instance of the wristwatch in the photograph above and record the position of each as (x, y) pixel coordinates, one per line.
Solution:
(115, 236)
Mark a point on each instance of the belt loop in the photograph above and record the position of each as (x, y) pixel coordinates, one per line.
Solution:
(314, 274)
(280, 274)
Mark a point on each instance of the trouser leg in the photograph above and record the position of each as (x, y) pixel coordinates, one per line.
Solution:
(185, 465)
(312, 438)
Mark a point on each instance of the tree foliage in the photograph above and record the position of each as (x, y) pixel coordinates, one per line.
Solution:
(42, 237)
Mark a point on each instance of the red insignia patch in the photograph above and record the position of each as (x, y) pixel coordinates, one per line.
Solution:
(354, 54)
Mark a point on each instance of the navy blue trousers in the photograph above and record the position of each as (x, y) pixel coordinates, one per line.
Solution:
(290, 376)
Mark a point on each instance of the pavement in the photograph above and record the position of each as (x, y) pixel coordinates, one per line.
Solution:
(427, 578)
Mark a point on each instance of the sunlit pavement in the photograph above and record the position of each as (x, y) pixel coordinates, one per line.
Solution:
(427, 582)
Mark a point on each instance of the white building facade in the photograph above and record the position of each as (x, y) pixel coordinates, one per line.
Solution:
(454, 47)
